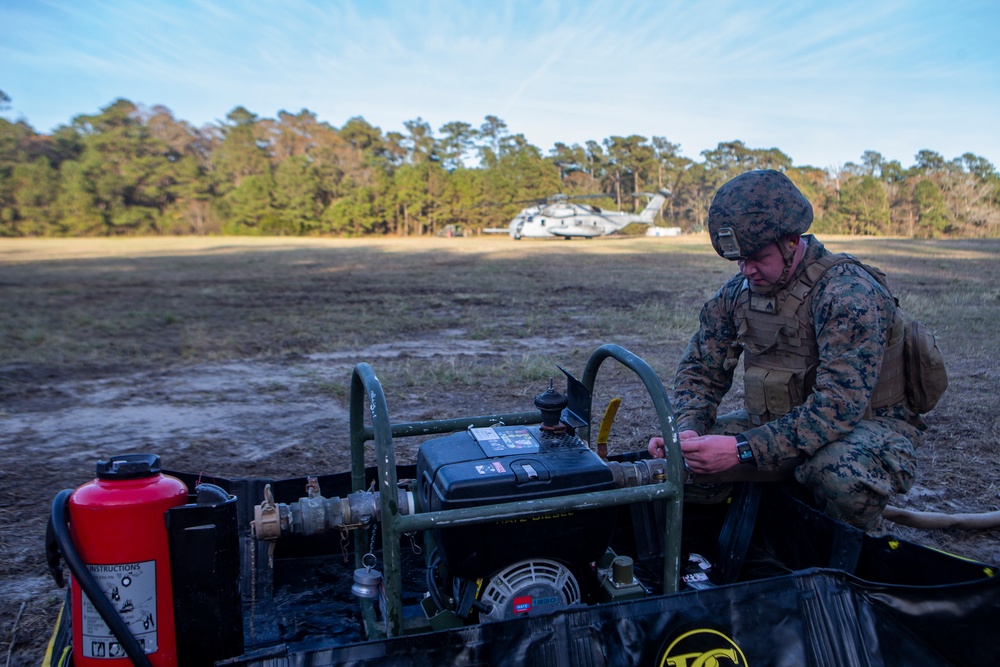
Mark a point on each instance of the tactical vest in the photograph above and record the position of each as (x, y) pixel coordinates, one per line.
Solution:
(780, 350)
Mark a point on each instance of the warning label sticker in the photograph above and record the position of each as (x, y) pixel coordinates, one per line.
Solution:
(131, 588)
(502, 440)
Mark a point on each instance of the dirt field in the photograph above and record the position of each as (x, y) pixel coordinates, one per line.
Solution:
(233, 357)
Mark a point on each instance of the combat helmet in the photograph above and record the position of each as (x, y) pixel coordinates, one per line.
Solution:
(754, 209)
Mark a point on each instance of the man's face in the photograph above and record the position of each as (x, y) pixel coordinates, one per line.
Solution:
(764, 269)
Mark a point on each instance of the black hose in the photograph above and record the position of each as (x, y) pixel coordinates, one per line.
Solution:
(736, 533)
(210, 494)
(432, 587)
(88, 584)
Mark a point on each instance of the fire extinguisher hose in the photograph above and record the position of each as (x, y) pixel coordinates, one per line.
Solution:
(89, 585)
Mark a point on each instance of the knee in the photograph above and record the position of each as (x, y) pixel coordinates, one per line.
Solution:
(850, 500)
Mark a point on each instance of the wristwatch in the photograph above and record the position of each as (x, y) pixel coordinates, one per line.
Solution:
(743, 449)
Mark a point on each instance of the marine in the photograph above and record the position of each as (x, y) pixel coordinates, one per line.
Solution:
(820, 338)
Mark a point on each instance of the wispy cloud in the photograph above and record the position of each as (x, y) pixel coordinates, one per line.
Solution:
(822, 81)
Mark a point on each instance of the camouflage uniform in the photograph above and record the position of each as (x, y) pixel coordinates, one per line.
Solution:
(848, 453)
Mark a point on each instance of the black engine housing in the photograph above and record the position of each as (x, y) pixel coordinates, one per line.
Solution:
(513, 463)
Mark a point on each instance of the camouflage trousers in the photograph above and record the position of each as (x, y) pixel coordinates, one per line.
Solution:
(852, 478)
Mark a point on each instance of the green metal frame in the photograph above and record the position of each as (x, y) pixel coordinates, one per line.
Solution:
(367, 390)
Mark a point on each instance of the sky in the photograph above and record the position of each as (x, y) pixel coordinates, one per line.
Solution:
(823, 81)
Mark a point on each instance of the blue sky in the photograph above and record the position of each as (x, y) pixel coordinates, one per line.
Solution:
(823, 81)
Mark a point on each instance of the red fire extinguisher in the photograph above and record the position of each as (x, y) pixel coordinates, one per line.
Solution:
(118, 528)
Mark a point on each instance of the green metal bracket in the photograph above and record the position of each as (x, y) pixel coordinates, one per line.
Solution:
(366, 390)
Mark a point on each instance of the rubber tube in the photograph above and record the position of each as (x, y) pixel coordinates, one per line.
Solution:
(88, 584)
(210, 494)
(935, 520)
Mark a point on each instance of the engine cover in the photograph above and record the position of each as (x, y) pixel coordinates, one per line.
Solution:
(512, 463)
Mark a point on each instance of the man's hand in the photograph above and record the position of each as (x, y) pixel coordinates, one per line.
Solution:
(709, 454)
(658, 450)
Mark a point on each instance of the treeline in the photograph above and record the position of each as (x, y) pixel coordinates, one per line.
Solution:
(134, 170)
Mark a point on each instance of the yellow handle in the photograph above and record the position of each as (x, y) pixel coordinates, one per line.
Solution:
(609, 416)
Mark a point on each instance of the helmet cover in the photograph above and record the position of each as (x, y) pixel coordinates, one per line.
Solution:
(755, 209)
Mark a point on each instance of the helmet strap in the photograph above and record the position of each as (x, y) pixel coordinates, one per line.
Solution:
(787, 246)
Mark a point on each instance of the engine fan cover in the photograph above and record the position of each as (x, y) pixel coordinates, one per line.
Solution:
(531, 585)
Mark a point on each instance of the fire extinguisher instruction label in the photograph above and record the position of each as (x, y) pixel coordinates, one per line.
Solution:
(131, 588)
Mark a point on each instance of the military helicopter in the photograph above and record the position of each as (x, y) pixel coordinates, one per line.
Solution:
(560, 217)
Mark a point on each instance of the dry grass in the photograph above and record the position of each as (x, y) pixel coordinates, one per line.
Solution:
(82, 305)
(93, 303)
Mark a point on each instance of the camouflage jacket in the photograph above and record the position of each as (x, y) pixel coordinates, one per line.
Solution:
(851, 315)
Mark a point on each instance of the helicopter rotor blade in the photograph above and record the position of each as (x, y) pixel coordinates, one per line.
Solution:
(559, 196)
